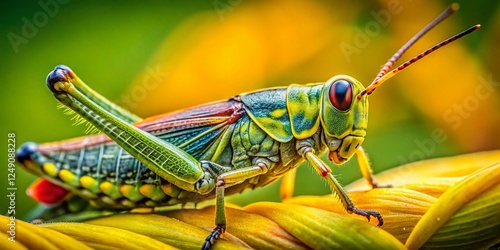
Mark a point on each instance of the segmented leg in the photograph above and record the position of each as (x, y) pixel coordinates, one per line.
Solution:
(224, 180)
(325, 172)
(165, 159)
(366, 170)
(214, 235)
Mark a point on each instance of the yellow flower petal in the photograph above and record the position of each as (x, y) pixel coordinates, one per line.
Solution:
(103, 237)
(475, 225)
(34, 237)
(432, 186)
(257, 231)
(167, 230)
(456, 166)
(452, 201)
(320, 229)
(400, 208)
(10, 245)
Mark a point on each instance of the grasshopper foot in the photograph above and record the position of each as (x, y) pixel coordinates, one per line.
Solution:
(367, 214)
(212, 238)
(376, 185)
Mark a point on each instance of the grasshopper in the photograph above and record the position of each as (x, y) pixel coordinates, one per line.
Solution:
(211, 150)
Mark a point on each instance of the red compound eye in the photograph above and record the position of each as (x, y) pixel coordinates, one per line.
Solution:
(341, 95)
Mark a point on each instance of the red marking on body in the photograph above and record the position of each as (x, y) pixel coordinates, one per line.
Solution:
(235, 116)
(46, 192)
(324, 171)
(214, 109)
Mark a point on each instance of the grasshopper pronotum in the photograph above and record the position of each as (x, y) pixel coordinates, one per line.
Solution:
(212, 150)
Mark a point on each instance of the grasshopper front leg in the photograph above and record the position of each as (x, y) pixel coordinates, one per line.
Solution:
(306, 150)
(287, 183)
(165, 159)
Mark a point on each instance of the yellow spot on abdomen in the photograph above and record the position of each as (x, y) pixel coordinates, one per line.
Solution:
(170, 190)
(110, 189)
(69, 178)
(50, 169)
(152, 191)
(131, 192)
(90, 184)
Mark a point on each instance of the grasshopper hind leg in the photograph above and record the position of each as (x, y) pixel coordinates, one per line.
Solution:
(100, 100)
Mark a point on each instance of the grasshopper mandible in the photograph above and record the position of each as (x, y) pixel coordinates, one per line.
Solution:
(211, 150)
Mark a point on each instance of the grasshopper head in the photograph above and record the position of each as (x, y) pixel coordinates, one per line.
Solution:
(344, 117)
(344, 110)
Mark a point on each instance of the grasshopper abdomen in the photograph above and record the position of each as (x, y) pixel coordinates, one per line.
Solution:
(104, 174)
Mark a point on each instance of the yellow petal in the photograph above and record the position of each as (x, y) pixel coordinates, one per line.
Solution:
(400, 208)
(10, 245)
(453, 200)
(255, 230)
(167, 230)
(320, 229)
(475, 225)
(103, 237)
(456, 166)
(432, 186)
(34, 237)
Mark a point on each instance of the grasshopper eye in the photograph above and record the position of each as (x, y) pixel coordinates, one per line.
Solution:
(341, 95)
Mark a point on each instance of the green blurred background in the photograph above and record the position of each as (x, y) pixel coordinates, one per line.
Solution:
(157, 56)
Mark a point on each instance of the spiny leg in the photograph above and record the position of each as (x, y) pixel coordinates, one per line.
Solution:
(325, 172)
(366, 170)
(224, 180)
(165, 159)
(95, 97)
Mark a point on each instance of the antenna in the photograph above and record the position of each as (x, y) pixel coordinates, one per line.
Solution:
(383, 76)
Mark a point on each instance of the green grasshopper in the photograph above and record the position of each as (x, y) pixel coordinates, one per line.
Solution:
(212, 150)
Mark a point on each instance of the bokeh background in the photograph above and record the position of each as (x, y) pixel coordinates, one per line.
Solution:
(156, 56)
